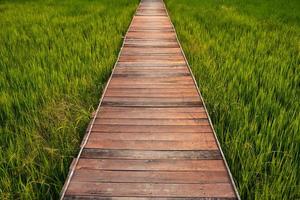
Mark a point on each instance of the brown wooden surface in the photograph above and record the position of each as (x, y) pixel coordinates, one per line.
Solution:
(151, 137)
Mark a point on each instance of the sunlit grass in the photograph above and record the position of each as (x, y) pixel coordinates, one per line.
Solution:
(55, 57)
(246, 59)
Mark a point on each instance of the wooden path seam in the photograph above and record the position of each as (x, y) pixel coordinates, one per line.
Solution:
(151, 136)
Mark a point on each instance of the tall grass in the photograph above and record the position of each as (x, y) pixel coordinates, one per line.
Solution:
(55, 56)
(245, 55)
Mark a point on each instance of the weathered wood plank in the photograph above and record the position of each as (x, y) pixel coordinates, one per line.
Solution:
(149, 115)
(151, 35)
(133, 58)
(151, 190)
(155, 165)
(150, 154)
(154, 136)
(152, 81)
(136, 50)
(151, 70)
(175, 111)
(84, 197)
(151, 102)
(153, 122)
(150, 64)
(128, 93)
(174, 177)
(150, 129)
(149, 86)
(153, 144)
(151, 75)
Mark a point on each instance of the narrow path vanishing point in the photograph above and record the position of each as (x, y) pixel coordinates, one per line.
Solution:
(151, 137)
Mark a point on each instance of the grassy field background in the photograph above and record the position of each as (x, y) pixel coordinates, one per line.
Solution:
(245, 55)
(55, 57)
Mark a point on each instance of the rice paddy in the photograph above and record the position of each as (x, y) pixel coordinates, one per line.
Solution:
(245, 56)
(55, 57)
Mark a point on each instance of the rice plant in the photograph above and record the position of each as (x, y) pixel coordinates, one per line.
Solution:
(55, 57)
(245, 55)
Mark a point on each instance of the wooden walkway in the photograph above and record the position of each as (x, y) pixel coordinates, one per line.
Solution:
(151, 137)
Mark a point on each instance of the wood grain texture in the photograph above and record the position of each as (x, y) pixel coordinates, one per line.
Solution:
(150, 154)
(152, 190)
(150, 128)
(174, 177)
(151, 137)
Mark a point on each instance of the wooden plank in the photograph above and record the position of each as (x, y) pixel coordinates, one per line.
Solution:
(150, 41)
(149, 86)
(152, 122)
(158, 73)
(150, 129)
(152, 70)
(151, 102)
(132, 93)
(153, 91)
(156, 23)
(153, 99)
(135, 50)
(145, 80)
(150, 154)
(153, 144)
(150, 64)
(156, 45)
(176, 110)
(104, 176)
(149, 115)
(154, 136)
(151, 190)
(150, 14)
(137, 29)
(151, 75)
(151, 35)
(84, 197)
(151, 80)
(154, 165)
(132, 58)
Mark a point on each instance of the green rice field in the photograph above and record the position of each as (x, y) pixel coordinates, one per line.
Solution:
(245, 55)
(55, 57)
